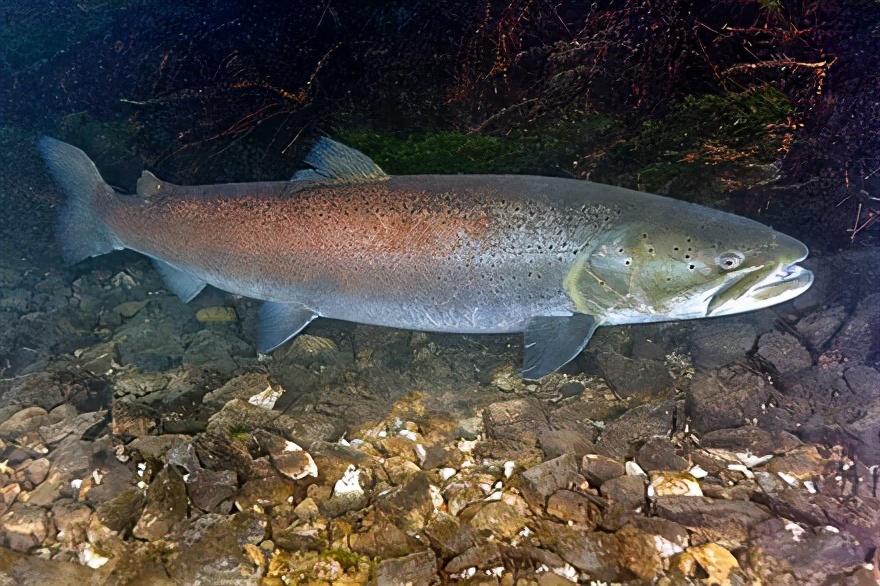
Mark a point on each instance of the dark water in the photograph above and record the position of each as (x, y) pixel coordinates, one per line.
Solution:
(144, 441)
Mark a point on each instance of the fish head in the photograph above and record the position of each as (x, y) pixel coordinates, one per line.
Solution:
(685, 263)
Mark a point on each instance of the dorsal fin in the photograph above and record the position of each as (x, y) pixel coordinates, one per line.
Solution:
(333, 162)
(148, 185)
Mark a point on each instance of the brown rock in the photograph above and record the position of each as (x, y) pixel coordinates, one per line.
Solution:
(784, 352)
(615, 557)
(560, 442)
(626, 491)
(819, 327)
(730, 397)
(23, 421)
(496, 518)
(521, 420)
(725, 522)
(638, 424)
(634, 377)
(750, 439)
(71, 520)
(448, 534)
(382, 539)
(165, 506)
(658, 453)
(416, 568)
(122, 511)
(24, 527)
(574, 507)
(782, 552)
(540, 481)
(597, 469)
(209, 489)
(480, 556)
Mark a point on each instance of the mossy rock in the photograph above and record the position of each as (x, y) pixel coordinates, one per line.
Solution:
(705, 146)
(549, 149)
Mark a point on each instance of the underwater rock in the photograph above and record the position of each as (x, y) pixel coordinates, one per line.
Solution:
(23, 421)
(725, 522)
(165, 506)
(634, 377)
(496, 518)
(71, 520)
(859, 338)
(213, 550)
(716, 343)
(24, 527)
(729, 397)
(575, 508)
(783, 352)
(559, 442)
(522, 420)
(750, 439)
(216, 314)
(614, 557)
(16, 568)
(598, 469)
(416, 568)
(216, 351)
(122, 511)
(448, 534)
(658, 453)
(785, 552)
(210, 489)
(620, 436)
(242, 387)
(541, 481)
(819, 327)
(626, 491)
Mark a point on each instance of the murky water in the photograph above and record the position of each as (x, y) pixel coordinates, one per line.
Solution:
(144, 440)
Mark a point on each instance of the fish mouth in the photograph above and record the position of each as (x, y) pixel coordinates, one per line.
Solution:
(781, 285)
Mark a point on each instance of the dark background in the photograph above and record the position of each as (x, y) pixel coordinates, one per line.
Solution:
(766, 107)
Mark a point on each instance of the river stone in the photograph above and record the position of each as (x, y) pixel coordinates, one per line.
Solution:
(729, 397)
(165, 507)
(716, 343)
(725, 522)
(416, 568)
(784, 352)
(634, 377)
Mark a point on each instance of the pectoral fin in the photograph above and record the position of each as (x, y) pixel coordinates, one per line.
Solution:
(279, 322)
(552, 342)
(179, 282)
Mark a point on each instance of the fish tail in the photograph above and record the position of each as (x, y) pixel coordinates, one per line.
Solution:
(82, 231)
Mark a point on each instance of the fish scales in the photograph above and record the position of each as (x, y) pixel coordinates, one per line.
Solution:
(387, 251)
(549, 257)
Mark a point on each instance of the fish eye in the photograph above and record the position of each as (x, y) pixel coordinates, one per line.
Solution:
(730, 260)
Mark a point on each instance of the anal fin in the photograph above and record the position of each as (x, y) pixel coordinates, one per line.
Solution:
(553, 341)
(279, 322)
(181, 283)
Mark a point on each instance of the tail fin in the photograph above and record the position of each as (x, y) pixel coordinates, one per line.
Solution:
(81, 231)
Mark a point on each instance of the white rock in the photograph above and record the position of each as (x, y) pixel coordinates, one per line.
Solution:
(89, 557)
(266, 398)
(633, 469)
(447, 473)
(349, 484)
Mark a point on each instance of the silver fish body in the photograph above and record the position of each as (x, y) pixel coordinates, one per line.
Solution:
(553, 258)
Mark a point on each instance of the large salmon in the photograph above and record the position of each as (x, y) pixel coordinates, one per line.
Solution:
(553, 258)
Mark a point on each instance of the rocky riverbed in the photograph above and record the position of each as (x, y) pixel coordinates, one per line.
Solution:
(143, 441)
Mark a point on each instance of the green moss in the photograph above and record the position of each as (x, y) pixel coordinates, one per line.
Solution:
(347, 559)
(545, 150)
(240, 433)
(703, 145)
